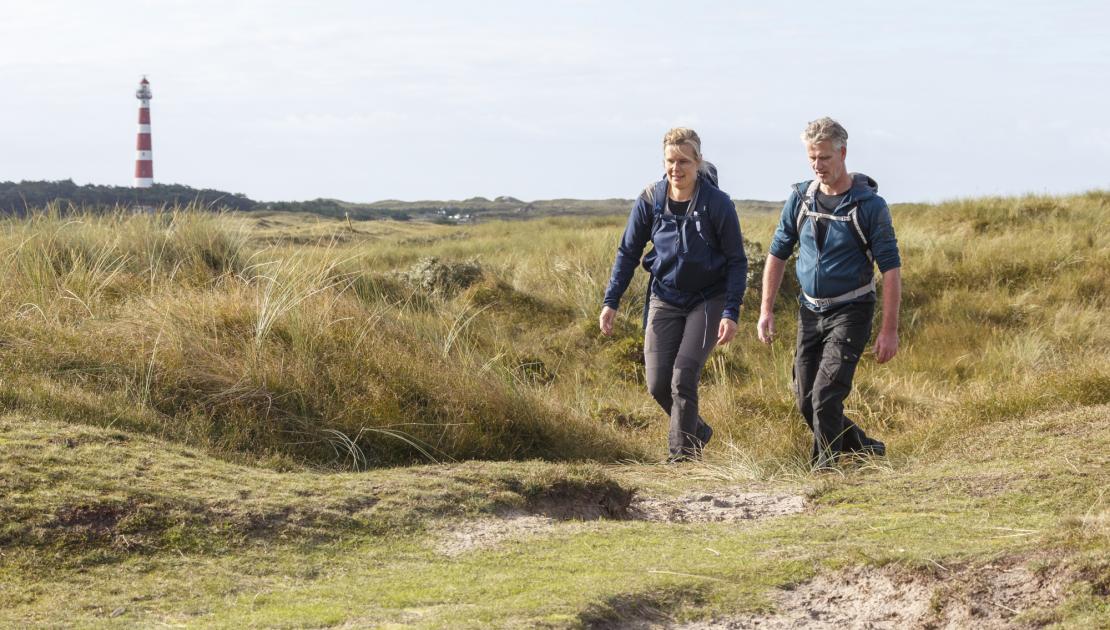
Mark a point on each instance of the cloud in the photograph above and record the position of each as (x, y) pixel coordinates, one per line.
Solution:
(331, 121)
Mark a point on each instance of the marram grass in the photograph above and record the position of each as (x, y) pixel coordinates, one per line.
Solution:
(216, 331)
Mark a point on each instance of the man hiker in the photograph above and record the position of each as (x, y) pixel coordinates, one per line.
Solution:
(843, 228)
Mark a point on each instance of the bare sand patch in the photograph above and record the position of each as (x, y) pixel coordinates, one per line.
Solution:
(487, 533)
(716, 507)
(543, 516)
(983, 597)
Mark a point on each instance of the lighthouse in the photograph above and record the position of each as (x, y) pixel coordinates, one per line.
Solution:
(144, 161)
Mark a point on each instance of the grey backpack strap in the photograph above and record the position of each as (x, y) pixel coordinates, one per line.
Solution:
(861, 238)
(806, 207)
(656, 209)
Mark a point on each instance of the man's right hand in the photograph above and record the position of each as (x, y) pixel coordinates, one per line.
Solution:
(772, 278)
(606, 320)
(765, 328)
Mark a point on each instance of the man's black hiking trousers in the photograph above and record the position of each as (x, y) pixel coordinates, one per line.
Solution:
(829, 347)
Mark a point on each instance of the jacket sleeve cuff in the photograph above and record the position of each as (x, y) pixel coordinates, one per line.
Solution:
(886, 265)
(732, 314)
(780, 251)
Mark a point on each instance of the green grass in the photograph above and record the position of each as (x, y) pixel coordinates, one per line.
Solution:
(229, 420)
(214, 544)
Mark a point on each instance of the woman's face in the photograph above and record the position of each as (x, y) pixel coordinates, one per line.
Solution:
(682, 168)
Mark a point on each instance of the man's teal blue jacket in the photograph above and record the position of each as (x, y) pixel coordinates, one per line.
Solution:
(840, 264)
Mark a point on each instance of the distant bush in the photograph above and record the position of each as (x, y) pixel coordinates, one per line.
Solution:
(444, 278)
(757, 261)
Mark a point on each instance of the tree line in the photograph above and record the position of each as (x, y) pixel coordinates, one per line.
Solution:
(21, 197)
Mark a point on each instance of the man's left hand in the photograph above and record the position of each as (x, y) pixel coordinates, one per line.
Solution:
(886, 346)
(726, 331)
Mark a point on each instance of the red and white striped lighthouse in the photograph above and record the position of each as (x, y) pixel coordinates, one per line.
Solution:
(144, 161)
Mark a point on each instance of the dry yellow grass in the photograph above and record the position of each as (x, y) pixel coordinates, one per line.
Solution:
(302, 339)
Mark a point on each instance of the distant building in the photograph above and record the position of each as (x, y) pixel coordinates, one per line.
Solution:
(144, 161)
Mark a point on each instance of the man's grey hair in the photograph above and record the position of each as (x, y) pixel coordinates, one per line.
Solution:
(824, 129)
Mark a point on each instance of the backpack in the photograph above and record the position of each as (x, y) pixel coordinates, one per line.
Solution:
(805, 209)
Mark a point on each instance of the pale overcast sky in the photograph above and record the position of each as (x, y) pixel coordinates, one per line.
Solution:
(289, 100)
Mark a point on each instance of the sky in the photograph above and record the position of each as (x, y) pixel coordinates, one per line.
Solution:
(362, 101)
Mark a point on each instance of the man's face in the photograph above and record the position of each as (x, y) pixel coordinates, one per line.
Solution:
(827, 163)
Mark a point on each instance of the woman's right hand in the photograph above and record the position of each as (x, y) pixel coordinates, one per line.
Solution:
(606, 320)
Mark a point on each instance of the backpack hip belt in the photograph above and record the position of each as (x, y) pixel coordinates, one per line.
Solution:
(844, 297)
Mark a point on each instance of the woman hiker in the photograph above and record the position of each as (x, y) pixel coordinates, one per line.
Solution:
(698, 276)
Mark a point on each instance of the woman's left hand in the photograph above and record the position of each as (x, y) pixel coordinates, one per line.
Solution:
(726, 331)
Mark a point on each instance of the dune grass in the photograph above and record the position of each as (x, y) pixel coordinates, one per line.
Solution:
(208, 419)
(228, 333)
(306, 355)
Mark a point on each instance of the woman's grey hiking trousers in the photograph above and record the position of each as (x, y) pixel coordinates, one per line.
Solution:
(677, 343)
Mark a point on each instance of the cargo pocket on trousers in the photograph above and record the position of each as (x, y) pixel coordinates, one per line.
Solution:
(839, 362)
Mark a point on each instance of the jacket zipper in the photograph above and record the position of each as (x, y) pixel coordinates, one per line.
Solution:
(817, 264)
(820, 246)
(691, 212)
(680, 224)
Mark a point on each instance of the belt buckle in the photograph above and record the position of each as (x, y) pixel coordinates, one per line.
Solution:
(824, 302)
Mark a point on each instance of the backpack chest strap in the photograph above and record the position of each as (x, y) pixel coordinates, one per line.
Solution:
(809, 201)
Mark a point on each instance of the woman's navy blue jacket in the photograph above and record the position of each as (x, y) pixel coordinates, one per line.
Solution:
(696, 256)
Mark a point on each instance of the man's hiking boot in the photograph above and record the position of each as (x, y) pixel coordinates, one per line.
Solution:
(702, 437)
(861, 456)
(874, 448)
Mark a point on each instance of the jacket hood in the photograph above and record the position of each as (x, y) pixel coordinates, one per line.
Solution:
(863, 187)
